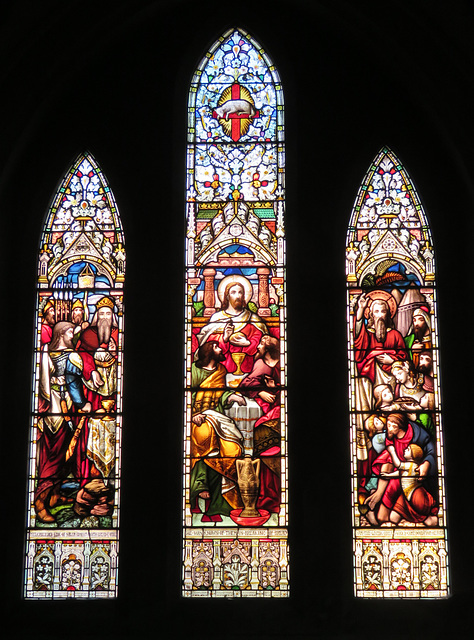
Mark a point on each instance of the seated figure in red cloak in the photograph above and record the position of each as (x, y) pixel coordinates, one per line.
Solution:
(263, 385)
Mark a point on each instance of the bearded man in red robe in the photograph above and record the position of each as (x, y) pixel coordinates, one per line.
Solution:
(263, 385)
(98, 346)
(377, 344)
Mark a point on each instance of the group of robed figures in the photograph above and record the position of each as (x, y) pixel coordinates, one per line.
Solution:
(76, 455)
(395, 402)
(236, 403)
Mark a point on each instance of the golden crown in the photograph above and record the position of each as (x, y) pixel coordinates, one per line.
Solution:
(105, 302)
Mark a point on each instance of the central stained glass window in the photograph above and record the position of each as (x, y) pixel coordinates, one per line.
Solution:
(235, 541)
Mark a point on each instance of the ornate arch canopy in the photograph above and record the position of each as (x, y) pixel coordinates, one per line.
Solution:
(74, 465)
(235, 443)
(399, 506)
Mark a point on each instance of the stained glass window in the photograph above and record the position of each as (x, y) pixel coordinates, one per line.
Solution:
(399, 506)
(235, 441)
(74, 459)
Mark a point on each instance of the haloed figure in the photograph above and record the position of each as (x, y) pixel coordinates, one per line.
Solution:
(378, 344)
(235, 327)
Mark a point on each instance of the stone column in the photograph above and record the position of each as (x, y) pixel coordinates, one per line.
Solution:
(209, 293)
(263, 294)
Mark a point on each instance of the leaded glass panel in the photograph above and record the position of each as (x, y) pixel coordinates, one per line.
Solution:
(74, 459)
(398, 494)
(235, 441)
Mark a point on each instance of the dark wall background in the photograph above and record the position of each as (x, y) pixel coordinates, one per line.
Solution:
(112, 77)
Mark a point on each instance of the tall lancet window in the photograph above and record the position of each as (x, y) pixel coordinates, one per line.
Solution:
(74, 457)
(399, 506)
(235, 452)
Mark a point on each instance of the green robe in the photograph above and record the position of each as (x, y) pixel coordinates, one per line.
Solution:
(203, 477)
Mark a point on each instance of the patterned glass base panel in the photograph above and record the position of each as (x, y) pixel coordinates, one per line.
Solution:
(399, 565)
(228, 563)
(62, 565)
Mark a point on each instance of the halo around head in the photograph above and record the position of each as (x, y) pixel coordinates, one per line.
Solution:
(378, 294)
(235, 279)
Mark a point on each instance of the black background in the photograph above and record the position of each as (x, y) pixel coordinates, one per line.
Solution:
(112, 78)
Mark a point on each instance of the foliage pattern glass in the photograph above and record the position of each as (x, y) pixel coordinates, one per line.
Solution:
(399, 506)
(235, 541)
(74, 461)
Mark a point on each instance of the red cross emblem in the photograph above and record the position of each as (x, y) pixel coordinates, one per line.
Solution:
(235, 111)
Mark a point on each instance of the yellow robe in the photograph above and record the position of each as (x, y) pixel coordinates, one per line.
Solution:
(216, 445)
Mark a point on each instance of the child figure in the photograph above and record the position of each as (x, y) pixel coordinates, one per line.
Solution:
(384, 401)
(383, 398)
(375, 427)
(414, 504)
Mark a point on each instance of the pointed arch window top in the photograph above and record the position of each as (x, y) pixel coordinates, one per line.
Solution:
(387, 193)
(84, 195)
(388, 217)
(235, 93)
(237, 50)
(83, 220)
